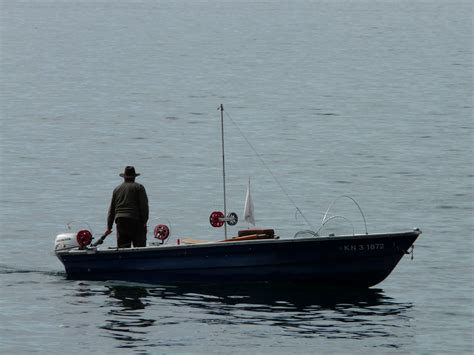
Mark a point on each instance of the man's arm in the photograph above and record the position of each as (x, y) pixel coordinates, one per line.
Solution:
(111, 214)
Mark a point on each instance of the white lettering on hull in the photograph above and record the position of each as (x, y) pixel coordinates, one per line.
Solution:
(361, 247)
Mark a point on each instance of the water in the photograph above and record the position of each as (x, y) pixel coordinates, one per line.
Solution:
(371, 99)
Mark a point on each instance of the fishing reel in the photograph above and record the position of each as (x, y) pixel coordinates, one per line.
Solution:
(83, 238)
(217, 219)
(161, 232)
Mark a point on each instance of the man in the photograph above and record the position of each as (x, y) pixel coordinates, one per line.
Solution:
(129, 209)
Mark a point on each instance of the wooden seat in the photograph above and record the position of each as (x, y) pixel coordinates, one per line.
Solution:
(246, 234)
(249, 237)
(269, 232)
(189, 241)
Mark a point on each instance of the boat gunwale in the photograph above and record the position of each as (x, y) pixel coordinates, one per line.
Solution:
(220, 244)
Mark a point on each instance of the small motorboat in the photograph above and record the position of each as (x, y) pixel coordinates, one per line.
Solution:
(348, 260)
(253, 256)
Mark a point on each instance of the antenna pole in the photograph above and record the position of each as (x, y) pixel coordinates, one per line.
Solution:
(221, 108)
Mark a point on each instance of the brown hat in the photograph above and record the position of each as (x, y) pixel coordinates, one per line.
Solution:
(129, 172)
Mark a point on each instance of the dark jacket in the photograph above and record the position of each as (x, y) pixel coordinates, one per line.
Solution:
(129, 200)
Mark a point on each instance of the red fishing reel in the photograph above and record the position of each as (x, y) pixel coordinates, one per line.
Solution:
(84, 238)
(161, 232)
(217, 219)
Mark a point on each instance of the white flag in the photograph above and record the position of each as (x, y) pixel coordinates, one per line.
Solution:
(248, 211)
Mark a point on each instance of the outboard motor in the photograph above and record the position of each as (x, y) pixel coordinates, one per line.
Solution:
(67, 241)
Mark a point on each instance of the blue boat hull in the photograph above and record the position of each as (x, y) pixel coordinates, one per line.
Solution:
(351, 261)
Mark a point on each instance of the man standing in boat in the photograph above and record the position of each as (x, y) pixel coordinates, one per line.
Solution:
(129, 210)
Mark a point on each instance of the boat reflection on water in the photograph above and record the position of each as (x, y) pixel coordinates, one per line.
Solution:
(125, 320)
(135, 313)
(269, 295)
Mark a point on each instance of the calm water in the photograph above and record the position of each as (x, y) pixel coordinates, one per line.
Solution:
(367, 98)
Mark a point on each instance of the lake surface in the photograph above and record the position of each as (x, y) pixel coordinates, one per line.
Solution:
(372, 99)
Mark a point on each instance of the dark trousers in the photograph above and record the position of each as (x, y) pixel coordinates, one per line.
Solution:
(130, 231)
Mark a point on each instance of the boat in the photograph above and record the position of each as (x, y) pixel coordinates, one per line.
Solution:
(348, 261)
(255, 255)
